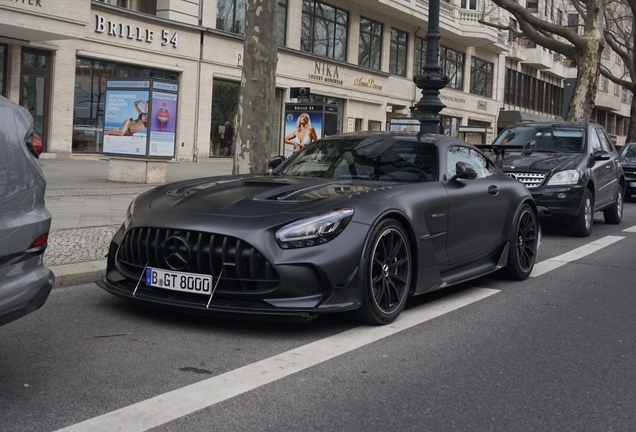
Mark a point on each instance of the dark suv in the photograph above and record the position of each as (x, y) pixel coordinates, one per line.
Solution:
(571, 169)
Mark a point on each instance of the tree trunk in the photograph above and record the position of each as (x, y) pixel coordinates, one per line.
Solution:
(584, 94)
(258, 87)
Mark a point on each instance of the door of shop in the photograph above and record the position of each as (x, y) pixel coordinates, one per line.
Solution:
(35, 76)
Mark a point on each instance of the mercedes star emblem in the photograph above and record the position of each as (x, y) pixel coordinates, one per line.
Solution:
(176, 252)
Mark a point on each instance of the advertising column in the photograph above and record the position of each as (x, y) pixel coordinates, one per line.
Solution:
(305, 123)
(140, 118)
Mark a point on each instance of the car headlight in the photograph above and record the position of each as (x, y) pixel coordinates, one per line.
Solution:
(314, 230)
(129, 213)
(567, 177)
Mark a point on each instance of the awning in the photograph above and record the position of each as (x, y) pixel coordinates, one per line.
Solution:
(507, 117)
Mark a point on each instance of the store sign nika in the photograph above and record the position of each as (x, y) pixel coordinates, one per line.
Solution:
(326, 72)
(111, 28)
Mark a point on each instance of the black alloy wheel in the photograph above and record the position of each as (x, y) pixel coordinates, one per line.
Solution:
(387, 274)
(524, 243)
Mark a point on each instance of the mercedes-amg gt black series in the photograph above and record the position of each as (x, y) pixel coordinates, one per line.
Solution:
(354, 222)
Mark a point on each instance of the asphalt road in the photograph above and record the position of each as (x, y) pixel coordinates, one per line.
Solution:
(554, 352)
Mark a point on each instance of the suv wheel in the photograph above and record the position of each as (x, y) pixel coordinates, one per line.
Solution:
(581, 225)
(614, 214)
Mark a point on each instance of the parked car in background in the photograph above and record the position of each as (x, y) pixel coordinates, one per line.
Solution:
(628, 162)
(25, 282)
(571, 169)
(354, 222)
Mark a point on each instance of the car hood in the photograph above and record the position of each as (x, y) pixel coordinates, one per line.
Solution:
(541, 162)
(261, 195)
(628, 162)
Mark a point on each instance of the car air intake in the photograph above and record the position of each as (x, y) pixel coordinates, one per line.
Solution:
(244, 268)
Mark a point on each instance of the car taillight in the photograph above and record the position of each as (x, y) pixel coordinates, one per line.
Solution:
(34, 144)
(39, 241)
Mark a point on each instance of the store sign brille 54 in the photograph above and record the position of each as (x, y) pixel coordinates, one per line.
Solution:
(111, 28)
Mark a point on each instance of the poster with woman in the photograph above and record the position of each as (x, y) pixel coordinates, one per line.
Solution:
(126, 122)
(301, 128)
(163, 120)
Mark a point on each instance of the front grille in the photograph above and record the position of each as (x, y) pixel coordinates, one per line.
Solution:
(244, 268)
(531, 180)
(629, 171)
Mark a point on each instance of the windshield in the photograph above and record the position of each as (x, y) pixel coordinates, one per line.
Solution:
(629, 151)
(384, 159)
(548, 139)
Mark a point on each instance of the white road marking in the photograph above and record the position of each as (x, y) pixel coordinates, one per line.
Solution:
(550, 264)
(178, 403)
(630, 229)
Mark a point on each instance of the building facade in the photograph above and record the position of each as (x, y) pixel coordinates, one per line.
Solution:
(355, 57)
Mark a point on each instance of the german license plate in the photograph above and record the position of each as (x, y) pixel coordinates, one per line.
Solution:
(632, 184)
(179, 281)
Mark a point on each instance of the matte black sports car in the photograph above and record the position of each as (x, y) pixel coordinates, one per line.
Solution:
(355, 222)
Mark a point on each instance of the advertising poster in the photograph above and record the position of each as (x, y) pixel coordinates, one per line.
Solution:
(126, 122)
(303, 125)
(163, 119)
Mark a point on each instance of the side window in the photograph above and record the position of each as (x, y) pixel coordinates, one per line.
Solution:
(459, 153)
(605, 144)
(595, 142)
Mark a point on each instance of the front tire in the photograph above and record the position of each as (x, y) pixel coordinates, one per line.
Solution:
(614, 214)
(386, 274)
(581, 225)
(524, 243)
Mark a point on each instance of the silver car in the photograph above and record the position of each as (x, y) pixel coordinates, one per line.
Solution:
(25, 283)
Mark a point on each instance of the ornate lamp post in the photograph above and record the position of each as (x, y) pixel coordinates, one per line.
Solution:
(427, 109)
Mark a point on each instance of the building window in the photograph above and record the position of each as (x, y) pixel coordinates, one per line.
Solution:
(452, 64)
(573, 21)
(230, 16)
(602, 83)
(605, 55)
(468, 4)
(370, 44)
(3, 68)
(532, 6)
(397, 58)
(324, 30)
(145, 6)
(90, 93)
(282, 22)
(481, 77)
(420, 55)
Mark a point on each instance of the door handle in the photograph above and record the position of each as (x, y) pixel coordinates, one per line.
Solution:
(493, 190)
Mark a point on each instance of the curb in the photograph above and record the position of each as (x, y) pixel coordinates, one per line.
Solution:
(78, 273)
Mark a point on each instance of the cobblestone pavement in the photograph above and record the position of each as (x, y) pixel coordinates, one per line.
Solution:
(74, 245)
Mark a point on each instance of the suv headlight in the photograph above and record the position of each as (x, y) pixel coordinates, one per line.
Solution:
(129, 213)
(314, 230)
(567, 177)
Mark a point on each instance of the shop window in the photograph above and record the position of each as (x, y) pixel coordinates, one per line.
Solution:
(397, 57)
(3, 68)
(481, 75)
(90, 92)
(420, 55)
(370, 44)
(324, 30)
(452, 64)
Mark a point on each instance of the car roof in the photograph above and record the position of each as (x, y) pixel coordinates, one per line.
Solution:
(437, 139)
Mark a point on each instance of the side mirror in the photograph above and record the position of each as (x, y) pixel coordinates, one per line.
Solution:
(528, 148)
(275, 162)
(464, 170)
(601, 155)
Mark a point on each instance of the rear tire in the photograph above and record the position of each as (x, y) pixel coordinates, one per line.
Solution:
(614, 214)
(524, 242)
(581, 225)
(386, 274)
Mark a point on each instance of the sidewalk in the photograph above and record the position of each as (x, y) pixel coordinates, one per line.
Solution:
(88, 209)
